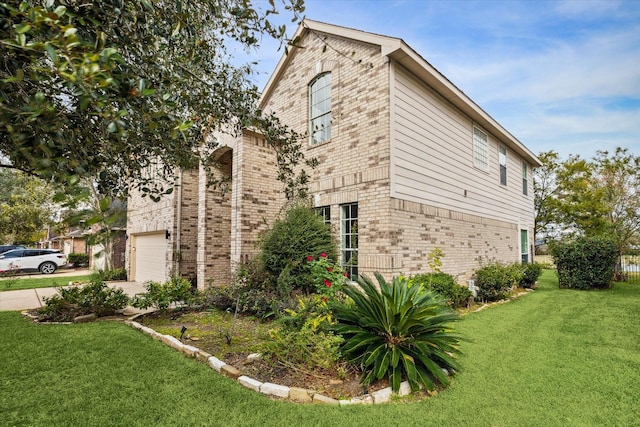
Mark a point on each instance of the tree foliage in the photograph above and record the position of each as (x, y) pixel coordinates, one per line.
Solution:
(545, 194)
(597, 197)
(26, 207)
(110, 89)
(104, 215)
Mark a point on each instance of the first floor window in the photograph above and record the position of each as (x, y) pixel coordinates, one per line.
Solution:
(324, 212)
(349, 239)
(524, 246)
(480, 144)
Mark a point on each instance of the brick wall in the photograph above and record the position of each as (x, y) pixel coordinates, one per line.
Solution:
(354, 165)
(214, 226)
(185, 230)
(144, 216)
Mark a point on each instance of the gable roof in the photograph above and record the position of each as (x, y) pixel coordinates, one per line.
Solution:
(400, 52)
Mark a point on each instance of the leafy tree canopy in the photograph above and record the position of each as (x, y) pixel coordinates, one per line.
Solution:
(597, 197)
(110, 89)
(26, 207)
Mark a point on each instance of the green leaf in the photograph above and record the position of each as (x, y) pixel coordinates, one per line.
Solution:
(52, 53)
(22, 28)
(70, 32)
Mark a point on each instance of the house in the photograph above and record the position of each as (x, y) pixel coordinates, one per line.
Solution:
(407, 163)
(98, 253)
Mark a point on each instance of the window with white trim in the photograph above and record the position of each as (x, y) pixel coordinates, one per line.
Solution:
(525, 180)
(324, 212)
(349, 239)
(524, 246)
(502, 159)
(320, 109)
(480, 145)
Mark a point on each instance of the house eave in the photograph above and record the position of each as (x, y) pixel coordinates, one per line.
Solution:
(409, 59)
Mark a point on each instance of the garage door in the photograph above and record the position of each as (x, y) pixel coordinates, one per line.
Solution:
(150, 257)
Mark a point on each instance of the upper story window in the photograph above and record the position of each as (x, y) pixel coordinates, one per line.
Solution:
(480, 144)
(502, 159)
(320, 108)
(525, 176)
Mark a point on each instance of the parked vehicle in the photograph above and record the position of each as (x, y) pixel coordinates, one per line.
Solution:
(46, 261)
(5, 248)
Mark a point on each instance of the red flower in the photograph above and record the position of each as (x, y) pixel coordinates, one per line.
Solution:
(329, 269)
(346, 274)
(325, 299)
(323, 255)
(327, 283)
(309, 258)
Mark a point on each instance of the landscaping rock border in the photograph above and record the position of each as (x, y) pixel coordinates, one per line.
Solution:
(293, 394)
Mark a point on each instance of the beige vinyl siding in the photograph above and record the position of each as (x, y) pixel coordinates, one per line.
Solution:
(432, 144)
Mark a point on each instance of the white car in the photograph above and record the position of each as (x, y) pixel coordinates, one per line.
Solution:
(46, 261)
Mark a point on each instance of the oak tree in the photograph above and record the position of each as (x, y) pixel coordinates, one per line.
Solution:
(107, 89)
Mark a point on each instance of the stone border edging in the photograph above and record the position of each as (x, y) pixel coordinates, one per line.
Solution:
(294, 394)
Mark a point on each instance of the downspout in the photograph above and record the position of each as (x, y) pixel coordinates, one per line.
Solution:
(179, 226)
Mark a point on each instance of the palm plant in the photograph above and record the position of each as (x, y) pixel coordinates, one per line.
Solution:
(398, 330)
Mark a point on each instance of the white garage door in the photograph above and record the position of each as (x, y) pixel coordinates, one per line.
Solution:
(150, 257)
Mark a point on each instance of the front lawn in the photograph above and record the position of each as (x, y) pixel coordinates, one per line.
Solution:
(553, 358)
(24, 282)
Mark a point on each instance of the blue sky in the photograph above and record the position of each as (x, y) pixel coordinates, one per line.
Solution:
(561, 75)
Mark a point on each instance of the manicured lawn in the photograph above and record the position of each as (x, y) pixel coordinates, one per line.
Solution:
(24, 282)
(553, 358)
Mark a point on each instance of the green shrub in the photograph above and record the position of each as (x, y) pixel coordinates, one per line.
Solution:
(73, 301)
(304, 337)
(444, 285)
(78, 260)
(109, 275)
(530, 274)
(494, 281)
(585, 263)
(250, 293)
(162, 295)
(284, 248)
(398, 331)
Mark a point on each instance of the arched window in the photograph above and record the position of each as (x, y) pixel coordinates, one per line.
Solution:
(320, 108)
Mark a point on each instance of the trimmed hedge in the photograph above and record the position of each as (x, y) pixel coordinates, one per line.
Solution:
(585, 263)
(495, 281)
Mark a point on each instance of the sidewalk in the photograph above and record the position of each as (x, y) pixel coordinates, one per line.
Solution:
(26, 299)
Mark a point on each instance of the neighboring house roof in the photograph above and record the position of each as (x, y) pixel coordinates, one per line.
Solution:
(397, 50)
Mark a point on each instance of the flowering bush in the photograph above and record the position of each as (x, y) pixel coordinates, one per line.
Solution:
(328, 277)
(284, 247)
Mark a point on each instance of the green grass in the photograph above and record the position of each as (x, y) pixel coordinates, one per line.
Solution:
(552, 358)
(19, 282)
